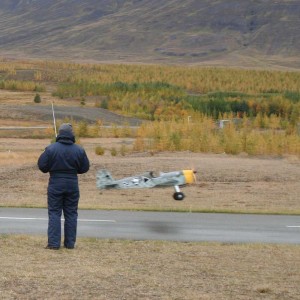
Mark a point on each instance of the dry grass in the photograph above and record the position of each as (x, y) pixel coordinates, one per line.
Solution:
(114, 269)
(22, 98)
(225, 183)
(12, 158)
(111, 269)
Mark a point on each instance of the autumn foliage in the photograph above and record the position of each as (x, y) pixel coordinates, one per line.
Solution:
(182, 103)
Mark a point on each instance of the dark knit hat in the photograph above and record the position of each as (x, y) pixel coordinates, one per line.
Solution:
(65, 127)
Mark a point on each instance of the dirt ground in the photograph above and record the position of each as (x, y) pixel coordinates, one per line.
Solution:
(224, 183)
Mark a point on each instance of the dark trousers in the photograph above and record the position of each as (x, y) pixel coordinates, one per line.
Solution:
(63, 196)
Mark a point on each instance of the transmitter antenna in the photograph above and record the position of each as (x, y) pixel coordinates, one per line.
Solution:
(54, 122)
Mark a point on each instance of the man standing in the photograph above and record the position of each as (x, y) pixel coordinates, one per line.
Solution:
(63, 160)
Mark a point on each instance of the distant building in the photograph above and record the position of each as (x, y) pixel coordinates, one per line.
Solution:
(223, 123)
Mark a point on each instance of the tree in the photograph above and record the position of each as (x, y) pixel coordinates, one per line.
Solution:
(37, 98)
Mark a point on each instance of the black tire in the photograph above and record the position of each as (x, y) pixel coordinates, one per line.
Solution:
(178, 196)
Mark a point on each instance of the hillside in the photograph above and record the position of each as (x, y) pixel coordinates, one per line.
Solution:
(255, 33)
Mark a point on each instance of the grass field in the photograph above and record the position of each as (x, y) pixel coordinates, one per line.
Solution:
(114, 269)
(224, 182)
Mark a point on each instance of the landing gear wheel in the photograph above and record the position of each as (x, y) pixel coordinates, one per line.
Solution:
(178, 196)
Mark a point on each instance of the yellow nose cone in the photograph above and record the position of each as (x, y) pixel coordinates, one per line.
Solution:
(189, 176)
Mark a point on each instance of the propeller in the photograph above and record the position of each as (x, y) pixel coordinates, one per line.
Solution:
(194, 175)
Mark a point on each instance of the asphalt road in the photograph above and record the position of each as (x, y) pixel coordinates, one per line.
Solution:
(228, 228)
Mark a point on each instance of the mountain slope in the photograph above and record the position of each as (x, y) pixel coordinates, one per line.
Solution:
(229, 32)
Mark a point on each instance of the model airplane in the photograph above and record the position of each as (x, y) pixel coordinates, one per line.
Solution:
(148, 180)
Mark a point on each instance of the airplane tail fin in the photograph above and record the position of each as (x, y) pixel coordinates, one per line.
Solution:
(104, 179)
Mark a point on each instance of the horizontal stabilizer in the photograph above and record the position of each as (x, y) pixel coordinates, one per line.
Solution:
(105, 180)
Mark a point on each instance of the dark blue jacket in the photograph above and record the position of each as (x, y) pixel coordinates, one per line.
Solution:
(64, 158)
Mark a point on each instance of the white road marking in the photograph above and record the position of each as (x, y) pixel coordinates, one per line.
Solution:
(87, 220)
(15, 218)
(46, 219)
(293, 226)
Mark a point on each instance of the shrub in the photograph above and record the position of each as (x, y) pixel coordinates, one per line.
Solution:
(37, 98)
(123, 150)
(99, 150)
(82, 101)
(82, 129)
(113, 151)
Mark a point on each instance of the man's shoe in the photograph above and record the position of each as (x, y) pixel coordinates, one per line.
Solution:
(68, 247)
(51, 247)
